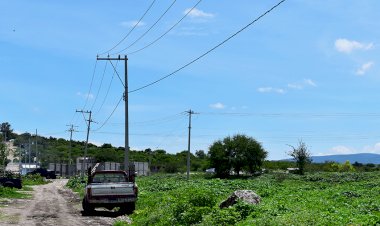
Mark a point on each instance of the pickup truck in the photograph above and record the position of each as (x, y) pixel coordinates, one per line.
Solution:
(11, 182)
(109, 189)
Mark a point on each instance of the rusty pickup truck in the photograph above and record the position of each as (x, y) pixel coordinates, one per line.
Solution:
(109, 189)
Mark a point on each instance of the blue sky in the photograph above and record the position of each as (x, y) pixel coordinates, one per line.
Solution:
(306, 71)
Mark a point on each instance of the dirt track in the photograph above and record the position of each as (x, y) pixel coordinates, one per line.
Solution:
(53, 204)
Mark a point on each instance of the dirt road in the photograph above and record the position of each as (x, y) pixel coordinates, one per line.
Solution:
(53, 204)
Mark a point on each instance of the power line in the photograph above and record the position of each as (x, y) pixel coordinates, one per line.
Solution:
(209, 51)
(108, 90)
(117, 73)
(130, 31)
(296, 115)
(105, 122)
(92, 81)
(171, 28)
(100, 86)
(154, 24)
(87, 95)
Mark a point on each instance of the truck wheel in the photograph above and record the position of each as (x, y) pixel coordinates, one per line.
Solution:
(9, 184)
(128, 208)
(87, 207)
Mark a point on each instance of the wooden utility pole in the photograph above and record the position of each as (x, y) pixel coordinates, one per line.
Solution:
(37, 155)
(71, 130)
(190, 112)
(126, 154)
(84, 162)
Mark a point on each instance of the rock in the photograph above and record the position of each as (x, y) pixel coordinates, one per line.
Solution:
(247, 196)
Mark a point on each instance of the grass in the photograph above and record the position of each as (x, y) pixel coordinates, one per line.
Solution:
(286, 199)
(27, 182)
(314, 199)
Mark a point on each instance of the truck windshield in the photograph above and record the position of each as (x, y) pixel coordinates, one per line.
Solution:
(109, 178)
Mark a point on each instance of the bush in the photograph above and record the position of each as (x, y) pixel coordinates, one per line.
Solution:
(35, 179)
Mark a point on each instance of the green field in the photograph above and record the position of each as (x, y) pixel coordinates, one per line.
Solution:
(27, 181)
(313, 199)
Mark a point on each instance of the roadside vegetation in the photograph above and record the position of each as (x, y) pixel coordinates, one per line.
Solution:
(27, 182)
(325, 198)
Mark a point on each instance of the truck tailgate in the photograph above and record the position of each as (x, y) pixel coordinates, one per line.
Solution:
(112, 189)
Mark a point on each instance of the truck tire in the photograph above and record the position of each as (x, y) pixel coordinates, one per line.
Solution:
(9, 184)
(87, 207)
(128, 208)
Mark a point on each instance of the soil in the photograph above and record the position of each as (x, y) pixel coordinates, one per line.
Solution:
(53, 204)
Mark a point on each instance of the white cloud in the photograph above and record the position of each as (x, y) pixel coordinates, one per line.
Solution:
(347, 46)
(342, 150)
(310, 82)
(197, 13)
(303, 84)
(295, 86)
(364, 68)
(217, 106)
(372, 149)
(132, 23)
(270, 90)
(85, 95)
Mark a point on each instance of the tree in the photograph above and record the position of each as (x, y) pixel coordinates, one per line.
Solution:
(237, 152)
(200, 154)
(301, 156)
(6, 130)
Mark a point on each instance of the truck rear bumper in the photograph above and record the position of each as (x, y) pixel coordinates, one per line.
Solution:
(94, 200)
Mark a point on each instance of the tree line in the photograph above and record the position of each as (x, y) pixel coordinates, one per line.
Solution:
(231, 155)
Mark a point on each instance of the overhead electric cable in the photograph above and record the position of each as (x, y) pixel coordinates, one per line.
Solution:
(92, 81)
(100, 86)
(87, 95)
(296, 115)
(209, 51)
(130, 31)
(108, 90)
(105, 122)
(154, 24)
(171, 28)
(117, 73)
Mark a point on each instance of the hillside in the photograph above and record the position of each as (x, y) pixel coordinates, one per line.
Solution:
(360, 157)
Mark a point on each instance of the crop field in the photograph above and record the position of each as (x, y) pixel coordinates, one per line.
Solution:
(286, 199)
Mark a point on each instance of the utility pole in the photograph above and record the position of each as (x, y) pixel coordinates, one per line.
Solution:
(190, 112)
(29, 151)
(71, 130)
(84, 162)
(70, 162)
(126, 154)
(37, 156)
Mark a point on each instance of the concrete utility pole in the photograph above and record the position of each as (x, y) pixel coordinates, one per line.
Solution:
(190, 112)
(84, 162)
(29, 151)
(126, 155)
(37, 155)
(71, 130)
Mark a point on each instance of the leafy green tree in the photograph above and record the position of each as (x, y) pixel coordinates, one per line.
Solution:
(237, 152)
(201, 154)
(6, 130)
(220, 159)
(301, 156)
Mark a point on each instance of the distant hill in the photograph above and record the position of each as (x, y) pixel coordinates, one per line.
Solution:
(361, 158)
(364, 158)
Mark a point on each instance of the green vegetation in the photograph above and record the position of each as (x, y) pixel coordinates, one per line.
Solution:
(239, 152)
(287, 199)
(27, 181)
(301, 156)
(57, 150)
(76, 184)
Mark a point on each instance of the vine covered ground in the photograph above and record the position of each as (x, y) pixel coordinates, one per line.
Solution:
(313, 199)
